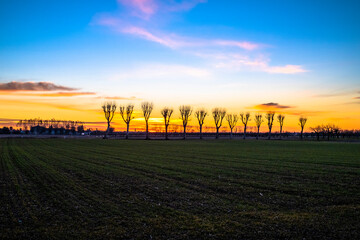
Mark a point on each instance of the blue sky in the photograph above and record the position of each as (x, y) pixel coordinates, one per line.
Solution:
(192, 51)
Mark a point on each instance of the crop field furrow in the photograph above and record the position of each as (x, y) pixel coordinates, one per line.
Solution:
(68, 188)
(192, 184)
(78, 186)
(262, 190)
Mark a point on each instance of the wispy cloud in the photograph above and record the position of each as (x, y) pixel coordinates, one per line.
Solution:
(243, 62)
(147, 8)
(64, 94)
(336, 93)
(33, 86)
(170, 40)
(237, 53)
(140, 8)
(162, 71)
(244, 45)
(287, 69)
(119, 98)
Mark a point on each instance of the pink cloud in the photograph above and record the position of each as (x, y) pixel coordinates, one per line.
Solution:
(147, 7)
(243, 45)
(287, 69)
(238, 62)
(165, 40)
(169, 39)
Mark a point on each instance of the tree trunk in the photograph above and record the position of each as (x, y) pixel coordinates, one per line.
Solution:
(269, 134)
(231, 135)
(318, 137)
(201, 136)
(257, 136)
(217, 133)
(184, 132)
(127, 131)
(244, 132)
(147, 131)
(166, 136)
(280, 131)
(107, 131)
(301, 134)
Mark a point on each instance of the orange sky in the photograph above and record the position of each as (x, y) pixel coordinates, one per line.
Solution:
(86, 107)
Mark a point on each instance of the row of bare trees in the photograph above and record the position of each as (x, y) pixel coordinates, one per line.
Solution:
(54, 123)
(218, 114)
(326, 130)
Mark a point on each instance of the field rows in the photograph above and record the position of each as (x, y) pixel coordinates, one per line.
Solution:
(74, 188)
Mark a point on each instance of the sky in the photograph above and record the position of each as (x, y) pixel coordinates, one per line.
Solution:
(63, 59)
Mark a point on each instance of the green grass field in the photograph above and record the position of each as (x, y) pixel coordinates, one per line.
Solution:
(56, 188)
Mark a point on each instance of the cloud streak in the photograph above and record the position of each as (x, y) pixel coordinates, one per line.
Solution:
(144, 29)
(170, 40)
(147, 8)
(240, 62)
(33, 86)
(119, 98)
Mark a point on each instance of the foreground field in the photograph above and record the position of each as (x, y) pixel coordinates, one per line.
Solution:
(53, 188)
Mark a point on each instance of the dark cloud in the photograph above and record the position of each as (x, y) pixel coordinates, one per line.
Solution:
(272, 105)
(33, 86)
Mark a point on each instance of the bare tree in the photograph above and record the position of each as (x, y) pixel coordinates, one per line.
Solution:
(200, 115)
(258, 122)
(270, 120)
(185, 112)
(302, 122)
(218, 115)
(232, 120)
(245, 117)
(109, 109)
(126, 114)
(147, 108)
(166, 112)
(317, 130)
(281, 119)
(329, 130)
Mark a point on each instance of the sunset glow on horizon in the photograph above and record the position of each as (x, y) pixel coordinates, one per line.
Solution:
(63, 60)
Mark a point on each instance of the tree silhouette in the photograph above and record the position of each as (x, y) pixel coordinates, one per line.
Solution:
(147, 108)
(245, 117)
(258, 122)
(232, 120)
(317, 130)
(281, 119)
(166, 112)
(328, 129)
(302, 122)
(200, 115)
(270, 120)
(126, 114)
(218, 115)
(109, 109)
(185, 112)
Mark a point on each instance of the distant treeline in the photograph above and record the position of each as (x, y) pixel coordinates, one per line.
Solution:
(45, 126)
(51, 123)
